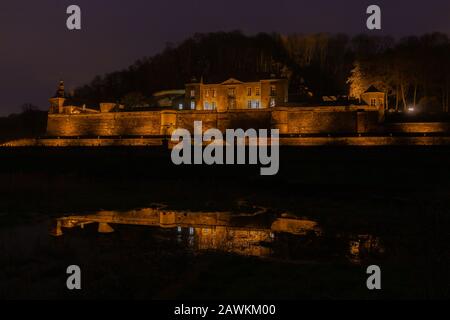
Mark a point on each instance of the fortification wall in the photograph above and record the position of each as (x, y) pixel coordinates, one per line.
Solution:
(324, 120)
(245, 119)
(105, 124)
(284, 141)
(287, 120)
(185, 119)
(418, 127)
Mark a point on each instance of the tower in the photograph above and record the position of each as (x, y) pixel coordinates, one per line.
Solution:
(375, 98)
(57, 101)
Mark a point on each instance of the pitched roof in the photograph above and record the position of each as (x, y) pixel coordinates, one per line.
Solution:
(231, 81)
(372, 89)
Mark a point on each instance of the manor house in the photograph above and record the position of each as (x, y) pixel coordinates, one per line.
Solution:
(234, 94)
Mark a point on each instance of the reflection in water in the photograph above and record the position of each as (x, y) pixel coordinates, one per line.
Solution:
(363, 246)
(257, 234)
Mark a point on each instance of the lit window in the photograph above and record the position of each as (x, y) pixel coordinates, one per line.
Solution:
(249, 92)
(192, 93)
(192, 105)
(257, 91)
(209, 106)
(257, 104)
(273, 91)
(180, 106)
(272, 102)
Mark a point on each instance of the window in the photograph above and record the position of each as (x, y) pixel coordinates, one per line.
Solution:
(180, 106)
(207, 93)
(192, 105)
(273, 91)
(213, 93)
(373, 102)
(231, 92)
(192, 93)
(209, 106)
(257, 91)
(253, 104)
(249, 92)
(272, 102)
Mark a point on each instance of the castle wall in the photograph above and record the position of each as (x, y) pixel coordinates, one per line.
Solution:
(185, 119)
(105, 124)
(322, 120)
(417, 127)
(289, 120)
(245, 119)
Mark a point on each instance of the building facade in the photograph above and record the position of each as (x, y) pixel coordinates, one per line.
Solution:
(234, 94)
(227, 105)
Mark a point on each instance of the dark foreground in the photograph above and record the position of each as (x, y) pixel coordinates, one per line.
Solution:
(384, 206)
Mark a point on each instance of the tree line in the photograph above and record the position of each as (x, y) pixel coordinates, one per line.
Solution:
(413, 71)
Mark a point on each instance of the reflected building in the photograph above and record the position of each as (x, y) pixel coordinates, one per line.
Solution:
(257, 234)
(221, 231)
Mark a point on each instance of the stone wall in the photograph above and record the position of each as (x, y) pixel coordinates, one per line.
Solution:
(185, 119)
(105, 124)
(284, 141)
(244, 119)
(323, 120)
(288, 120)
(417, 127)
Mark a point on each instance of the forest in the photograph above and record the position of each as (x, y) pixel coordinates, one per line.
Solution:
(413, 71)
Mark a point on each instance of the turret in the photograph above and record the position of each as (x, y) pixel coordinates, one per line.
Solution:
(375, 98)
(57, 101)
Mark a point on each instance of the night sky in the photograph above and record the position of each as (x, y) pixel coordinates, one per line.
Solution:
(37, 49)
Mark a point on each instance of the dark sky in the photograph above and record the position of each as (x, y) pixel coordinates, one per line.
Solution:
(36, 49)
